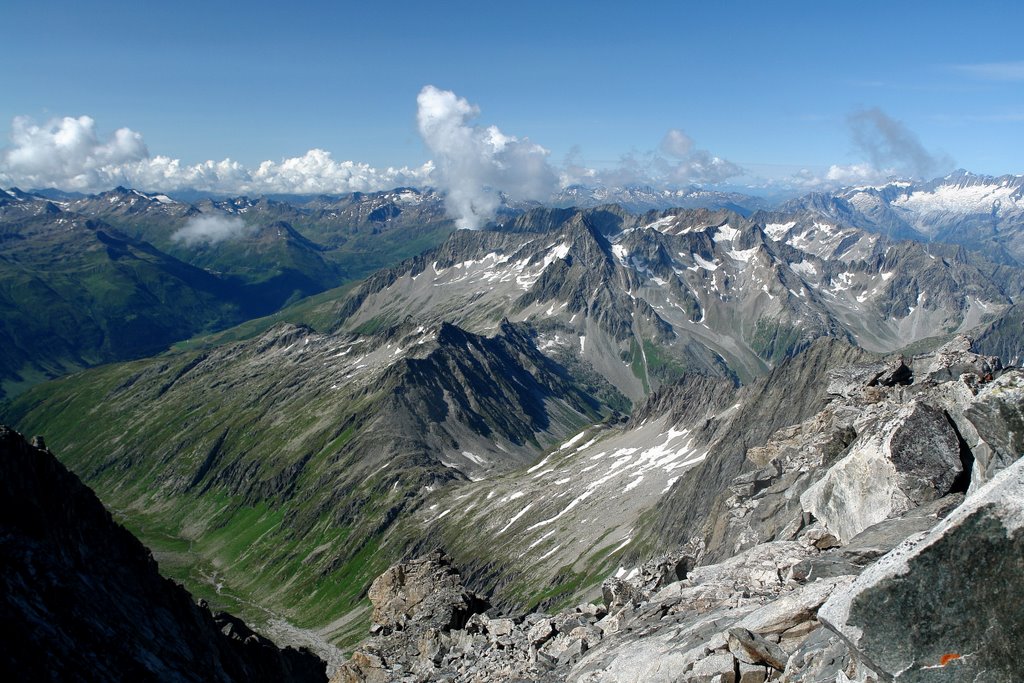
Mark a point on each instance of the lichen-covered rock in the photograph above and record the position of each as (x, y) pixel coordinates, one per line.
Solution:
(948, 606)
(823, 657)
(617, 593)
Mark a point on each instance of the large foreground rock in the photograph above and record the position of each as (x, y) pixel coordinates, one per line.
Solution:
(948, 605)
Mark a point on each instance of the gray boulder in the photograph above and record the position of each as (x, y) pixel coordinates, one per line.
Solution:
(747, 646)
(948, 606)
(955, 359)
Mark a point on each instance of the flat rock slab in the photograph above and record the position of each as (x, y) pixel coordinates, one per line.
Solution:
(948, 606)
(751, 648)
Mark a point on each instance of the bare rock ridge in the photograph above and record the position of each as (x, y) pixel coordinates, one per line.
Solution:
(81, 598)
(878, 539)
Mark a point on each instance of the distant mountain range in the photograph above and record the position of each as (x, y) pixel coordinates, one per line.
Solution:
(283, 249)
(979, 212)
(93, 279)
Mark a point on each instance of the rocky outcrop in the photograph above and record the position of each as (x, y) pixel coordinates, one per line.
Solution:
(995, 418)
(426, 592)
(892, 435)
(81, 598)
(795, 391)
(946, 606)
(910, 459)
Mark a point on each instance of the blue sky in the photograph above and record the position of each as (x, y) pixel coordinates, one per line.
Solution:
(768, 87)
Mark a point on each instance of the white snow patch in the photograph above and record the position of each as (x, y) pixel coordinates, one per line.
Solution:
(805, 268)
(548, 553)
(540, 464)
(622, 545)
(472, 457)
(515, 518)
(778, 230)
(572, 441)
(726, 233)
(956, 199)
(660, 224)
(576, 501)
(742, 254)
(703, 263)
(540, 540)
(633, 484)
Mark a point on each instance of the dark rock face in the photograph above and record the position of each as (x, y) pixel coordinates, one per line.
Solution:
(947, 607)
(925, 452)
(81, 598)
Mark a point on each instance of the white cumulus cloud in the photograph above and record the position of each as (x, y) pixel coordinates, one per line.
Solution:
(68, 153)
(475, 164)
(211, 229)
(692, 165)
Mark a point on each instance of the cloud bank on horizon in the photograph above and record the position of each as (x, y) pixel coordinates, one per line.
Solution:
(67, 153)
(474, 165)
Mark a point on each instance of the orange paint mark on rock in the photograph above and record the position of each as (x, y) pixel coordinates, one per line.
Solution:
(946, 659)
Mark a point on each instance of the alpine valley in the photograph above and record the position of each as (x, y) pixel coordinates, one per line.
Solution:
(628, 435)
